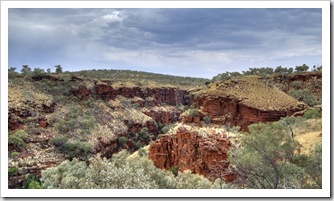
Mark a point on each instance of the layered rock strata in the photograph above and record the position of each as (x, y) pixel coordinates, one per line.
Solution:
(188, 150)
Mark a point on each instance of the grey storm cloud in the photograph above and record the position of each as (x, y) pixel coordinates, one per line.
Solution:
(195, 42)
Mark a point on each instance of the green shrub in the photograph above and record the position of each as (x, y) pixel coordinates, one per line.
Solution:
(15, 141)
(14, 154)
(77, 149)
(166, 128)
(305, 96)
(174, 170)
(11, 171)
(64, 126)
(297, 84)
(34, 185)
(235, 129)
(18, 139)
(144, 133)
(206, 119)
(59, 142)
(71, 149)
(142, 152)
(135, 105)
(31, 182)
(137, 145)
(122, 140)
(21, 134)
(87, 123)
(193, 112)
(312, 114)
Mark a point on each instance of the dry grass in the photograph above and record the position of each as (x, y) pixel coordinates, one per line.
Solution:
(100, 131)
(136, 154)
(253, 92)
(309, 135)
(204, 131)
(133, 115)
(18, 97)
(308, 141)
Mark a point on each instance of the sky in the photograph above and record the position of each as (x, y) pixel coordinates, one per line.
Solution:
(186, 42)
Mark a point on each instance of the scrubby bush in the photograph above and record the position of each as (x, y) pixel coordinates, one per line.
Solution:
(166, 128)
(14, 154)
(122, 140)
(11, 171)
(297, 84)
(59, 142)
(174, 170)
(193, 112)
(206, 119)
(142, 152)
(21, 134)
(312, 114)
(144, 134)
(77, 149)
(31, 182)
(71, 149)
(121, 172)
(64, 126)
(15, 141)
(18, 139)
(305, 96)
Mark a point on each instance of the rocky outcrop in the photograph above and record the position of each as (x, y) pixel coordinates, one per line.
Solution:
(231, 112)
(191, 151)
(163, 115)
(81, 93)
(28, 109)
(169, 96)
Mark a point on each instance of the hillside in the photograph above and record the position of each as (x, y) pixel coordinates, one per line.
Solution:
(184, 123)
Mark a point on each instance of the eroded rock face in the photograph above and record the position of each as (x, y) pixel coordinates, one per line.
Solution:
(163, 115)
(82, 93)
(231, 112)
(169, 96)
(191, 151)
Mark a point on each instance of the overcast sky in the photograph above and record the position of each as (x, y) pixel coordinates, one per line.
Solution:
(186, 42)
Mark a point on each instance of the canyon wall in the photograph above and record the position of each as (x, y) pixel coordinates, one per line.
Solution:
(231, 112)
(169, 96)
(188, 150)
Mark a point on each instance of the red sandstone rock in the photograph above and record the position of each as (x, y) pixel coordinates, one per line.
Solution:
(229, 111)
(191, 151)
(169, 96)
(164, 116)
(82, 93)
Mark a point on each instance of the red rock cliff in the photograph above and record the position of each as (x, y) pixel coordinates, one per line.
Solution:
(191, 151)
(223, 111)
(169, 96)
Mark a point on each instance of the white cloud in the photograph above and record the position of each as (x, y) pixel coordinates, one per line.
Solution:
(115, 16)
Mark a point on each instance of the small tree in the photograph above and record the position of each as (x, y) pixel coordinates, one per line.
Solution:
(302, 68)
(263, 161)
(11, 72)
(26, 70)
(122, 140)
(59, 69)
